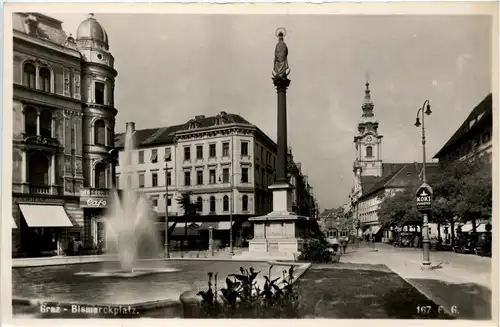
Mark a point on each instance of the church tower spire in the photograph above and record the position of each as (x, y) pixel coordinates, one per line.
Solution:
(368, 141)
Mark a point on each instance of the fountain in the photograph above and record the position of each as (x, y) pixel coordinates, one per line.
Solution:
(128, 224)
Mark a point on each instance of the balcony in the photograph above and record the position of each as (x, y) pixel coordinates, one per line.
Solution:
(42, 189)
(38, 141)
(95, 192)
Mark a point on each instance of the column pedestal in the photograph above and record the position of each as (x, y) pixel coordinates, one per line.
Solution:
(281, 233)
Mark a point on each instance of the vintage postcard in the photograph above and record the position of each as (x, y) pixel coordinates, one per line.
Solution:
(332, 161)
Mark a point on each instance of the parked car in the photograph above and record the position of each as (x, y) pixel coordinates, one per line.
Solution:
(465, 245)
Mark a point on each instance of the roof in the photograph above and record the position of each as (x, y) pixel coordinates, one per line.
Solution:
(466, 129)
(396, 175)
(165, 135)
(47, 28)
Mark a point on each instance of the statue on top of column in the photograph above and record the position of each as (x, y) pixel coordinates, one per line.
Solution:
(281, 69)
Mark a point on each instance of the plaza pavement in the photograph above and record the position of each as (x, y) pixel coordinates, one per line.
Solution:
(460, 283)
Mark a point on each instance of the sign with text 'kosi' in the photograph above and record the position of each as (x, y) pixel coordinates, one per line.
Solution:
(424, 197)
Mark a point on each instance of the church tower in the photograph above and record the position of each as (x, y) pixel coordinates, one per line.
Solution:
(368, 142)
(98, 83)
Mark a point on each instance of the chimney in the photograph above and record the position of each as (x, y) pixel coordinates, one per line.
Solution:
(130, 127)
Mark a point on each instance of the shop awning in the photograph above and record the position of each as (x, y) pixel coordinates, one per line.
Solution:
(375, 229)
(45, 215)
(14, 225)
(218, 225)
(180, 229)
(480, 228)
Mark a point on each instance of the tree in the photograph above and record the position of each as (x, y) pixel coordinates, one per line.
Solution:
(190, 209)
(463, 191)
(400, 209)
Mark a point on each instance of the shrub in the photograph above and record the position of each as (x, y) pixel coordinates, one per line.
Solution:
(317, 251)
(242, 298)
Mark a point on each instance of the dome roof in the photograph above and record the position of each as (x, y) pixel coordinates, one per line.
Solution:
(90, 29)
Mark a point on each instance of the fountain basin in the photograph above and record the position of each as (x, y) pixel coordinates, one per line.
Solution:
(126, 274)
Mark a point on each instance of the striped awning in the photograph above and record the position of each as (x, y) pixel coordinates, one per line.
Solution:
(480, 228)
(191, 230)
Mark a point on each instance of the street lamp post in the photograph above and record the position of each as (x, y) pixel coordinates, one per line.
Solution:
(425, 225)
(166, 249)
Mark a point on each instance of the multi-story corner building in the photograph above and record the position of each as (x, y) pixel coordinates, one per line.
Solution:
(63, 131)
(375, 180)
(473, 137)
(224, 162)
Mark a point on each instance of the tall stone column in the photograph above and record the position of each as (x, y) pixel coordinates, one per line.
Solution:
(281, 83)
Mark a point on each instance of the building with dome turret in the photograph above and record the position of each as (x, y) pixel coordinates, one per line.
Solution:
(63, 133)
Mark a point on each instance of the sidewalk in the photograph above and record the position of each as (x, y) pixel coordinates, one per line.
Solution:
(463, 291)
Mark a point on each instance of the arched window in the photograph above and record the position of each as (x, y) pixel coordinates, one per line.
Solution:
(29, 75)
(46, 123)
(99, 133)
(38, 169)
(30, 121)
(100, 175)
(244, 203)
(44, 77)
(225, 203)
(199, 204)
(369, 151)
(212, 204)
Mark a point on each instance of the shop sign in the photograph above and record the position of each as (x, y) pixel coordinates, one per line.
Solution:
(93, 202)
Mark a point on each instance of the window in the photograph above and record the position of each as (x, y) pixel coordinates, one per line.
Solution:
(44, 78)
(199, 204)
(38, 169)
(99, 133)
(46, 123)
(169, 178)
(244, 175)
(169, 202)
(99, 92)
(77, 85)
(199, 152)
(263, 176)
(141, 180)
(211, 174)
(212, 151)
(369, 152)
(226, 203)
(155, 202)
(225, 175)
(100, 175)
(187, 153)
(154, 179)
(199, 177)
(117, 182)
(29, 75)
(30, 121)
(187, 178)
(141, 157)
(244, 203)
(212, 204)
(154, 156)
(168, 154)
(66, 83)
(225, 149)
(262, 153)
(244, 148)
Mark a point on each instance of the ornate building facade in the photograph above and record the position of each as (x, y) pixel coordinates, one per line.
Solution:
(63, 132)
(223, 162)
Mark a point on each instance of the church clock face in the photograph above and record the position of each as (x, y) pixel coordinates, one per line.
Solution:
(369, 138)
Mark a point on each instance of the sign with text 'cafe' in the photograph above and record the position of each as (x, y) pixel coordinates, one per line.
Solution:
(94, 198)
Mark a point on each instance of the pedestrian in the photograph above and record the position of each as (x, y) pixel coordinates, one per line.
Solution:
(416, 242)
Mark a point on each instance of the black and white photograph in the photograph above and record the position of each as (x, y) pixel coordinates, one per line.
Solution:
(278, 163)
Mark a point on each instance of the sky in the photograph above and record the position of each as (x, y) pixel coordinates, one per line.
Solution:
(173, 67)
